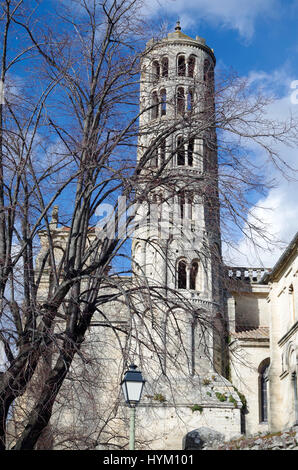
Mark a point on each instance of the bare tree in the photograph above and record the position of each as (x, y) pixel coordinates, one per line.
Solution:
(68, 137)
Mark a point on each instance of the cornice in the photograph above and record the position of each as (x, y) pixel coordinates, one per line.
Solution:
(288, 335)
(181, 42)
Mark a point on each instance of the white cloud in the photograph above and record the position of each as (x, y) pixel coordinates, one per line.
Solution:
(278, 215)
(239, 15)
(278, 211)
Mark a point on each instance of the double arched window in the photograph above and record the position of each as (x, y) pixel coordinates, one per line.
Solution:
(158, 155)
(160, 69)
(184, 151)
(185, 205)
(184, 100)
(159, 103)
(186, 68)
(189, 275)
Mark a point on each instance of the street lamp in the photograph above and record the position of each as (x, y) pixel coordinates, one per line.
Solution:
(132, 387)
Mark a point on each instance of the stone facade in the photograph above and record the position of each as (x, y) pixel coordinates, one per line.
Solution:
(283, 304)
(264, 343)
(256, 390)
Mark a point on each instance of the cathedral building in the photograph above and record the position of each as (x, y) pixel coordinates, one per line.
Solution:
(226, 353)
(264, 342)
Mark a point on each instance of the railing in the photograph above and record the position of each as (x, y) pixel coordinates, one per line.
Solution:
(251, 275)
(193, 297)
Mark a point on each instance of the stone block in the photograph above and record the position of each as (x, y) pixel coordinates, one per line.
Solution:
(203, 437)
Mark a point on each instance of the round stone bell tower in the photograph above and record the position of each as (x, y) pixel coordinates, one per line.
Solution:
(176, 246)
(177, 239)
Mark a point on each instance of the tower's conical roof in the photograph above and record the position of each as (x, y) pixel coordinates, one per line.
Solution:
(178, 33)
(178, 36)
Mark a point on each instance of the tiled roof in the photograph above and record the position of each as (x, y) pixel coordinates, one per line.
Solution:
(252, 333)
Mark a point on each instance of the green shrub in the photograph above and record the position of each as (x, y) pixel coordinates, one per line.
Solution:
(221, 396)
(233, 400)
(242, 398)
(196, 408)
(159, 397)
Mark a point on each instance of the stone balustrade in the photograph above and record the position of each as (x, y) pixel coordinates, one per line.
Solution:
(251, 275)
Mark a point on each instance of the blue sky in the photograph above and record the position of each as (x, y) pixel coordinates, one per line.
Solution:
(259, 39)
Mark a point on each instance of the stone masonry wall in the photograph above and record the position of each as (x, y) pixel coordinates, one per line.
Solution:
(284, 440)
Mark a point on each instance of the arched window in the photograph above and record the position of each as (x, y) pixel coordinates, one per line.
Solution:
(263, 390)
(193, 281)
(191, 65)
(165, 67)
(180, 101)
(163, 100)
(180, 151)
(208, 72)
(182, 274)
(188, 275)
(154, 105)
(190, 150)
(181, 66)
(185, 204)
(190, 100)
(155, 70)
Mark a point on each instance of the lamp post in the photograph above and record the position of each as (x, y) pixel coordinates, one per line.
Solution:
(132, 387)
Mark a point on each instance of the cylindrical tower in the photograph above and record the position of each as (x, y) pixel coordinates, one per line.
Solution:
(176, 246)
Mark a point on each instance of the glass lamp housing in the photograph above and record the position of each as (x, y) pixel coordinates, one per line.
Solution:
(132, 385)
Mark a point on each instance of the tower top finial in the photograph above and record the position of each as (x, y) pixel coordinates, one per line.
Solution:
(178, 27)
